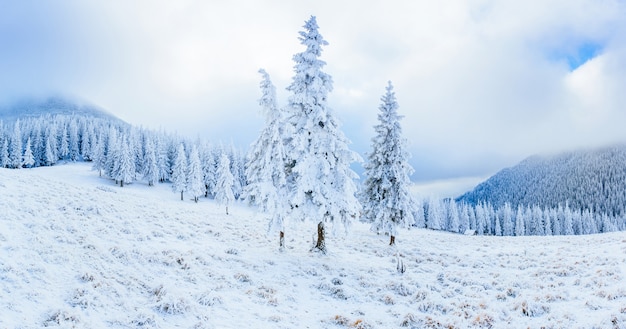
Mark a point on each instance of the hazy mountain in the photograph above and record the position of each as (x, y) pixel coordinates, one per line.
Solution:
(34, 107)
(594, 179)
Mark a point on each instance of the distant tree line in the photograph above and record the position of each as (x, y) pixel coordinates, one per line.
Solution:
(125, 154)
(485, 219)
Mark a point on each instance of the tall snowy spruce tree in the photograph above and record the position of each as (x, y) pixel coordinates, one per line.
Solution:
(265, 169)
(321, 182)
(386, 199)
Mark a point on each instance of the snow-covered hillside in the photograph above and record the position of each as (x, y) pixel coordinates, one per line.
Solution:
(586, 179)
(76, 251)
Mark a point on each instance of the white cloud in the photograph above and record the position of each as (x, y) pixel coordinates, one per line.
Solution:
(482, 84)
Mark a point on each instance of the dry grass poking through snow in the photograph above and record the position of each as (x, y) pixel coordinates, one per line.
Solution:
(78, 252)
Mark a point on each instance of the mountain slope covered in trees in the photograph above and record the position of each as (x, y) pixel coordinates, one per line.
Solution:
(54, 105)
(590, 179)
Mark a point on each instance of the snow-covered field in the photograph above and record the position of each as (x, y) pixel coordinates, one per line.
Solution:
(78, 252)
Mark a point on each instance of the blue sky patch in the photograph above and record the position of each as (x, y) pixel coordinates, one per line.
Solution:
(582, 54)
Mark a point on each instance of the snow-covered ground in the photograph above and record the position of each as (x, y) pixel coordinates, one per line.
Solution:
(76, 251)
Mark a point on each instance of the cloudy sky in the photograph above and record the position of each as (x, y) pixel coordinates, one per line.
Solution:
(482, 84)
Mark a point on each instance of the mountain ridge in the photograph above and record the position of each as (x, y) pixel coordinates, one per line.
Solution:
(52, 105)
(583, 179)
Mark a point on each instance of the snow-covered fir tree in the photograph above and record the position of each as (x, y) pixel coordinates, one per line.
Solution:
(265, 168)
(520, 227)
(195, 184)
(210, 163)
(386, 199)
(179, 171)
(507, 220)
(4, 153)
(150, 165)
(435, 216)
(15, 149)
(322, 183)
(225, 181)
(453, 217)
(125, 168)
(28, 160)
(419, 216)
(73, 141)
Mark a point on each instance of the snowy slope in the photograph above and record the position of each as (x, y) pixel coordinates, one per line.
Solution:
(78, 252)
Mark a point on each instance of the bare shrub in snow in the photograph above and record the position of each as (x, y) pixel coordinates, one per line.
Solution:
(337, 281)
(232, 251)
(421, 295)
(412, 321)
(81, 299)
(159, 292)
(343, 321)
(144, 321)
(532, 309)
(173, 305)
(483, 321)
(332, 291)
(242, 278)
(207, 299)
(400, 289)
(61, 318)
(87, 277)
(268, 295)
(388, 300)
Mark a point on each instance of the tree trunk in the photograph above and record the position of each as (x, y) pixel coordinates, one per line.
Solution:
(195, 199)
(321, 243)
(181, 195)
(122, 183)
(282, 240)
(226, 210)
(392, 241)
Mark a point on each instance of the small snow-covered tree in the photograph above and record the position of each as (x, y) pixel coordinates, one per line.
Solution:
(588, 223)
(210, 162)
(73, 140)
(28, 159)
(481, 219)
(15, 152)
(419, 216)
(322, 183)
(386, 198)
(507, 220)
(125, 171)
(453, 216)
(4, 153)
(265, 168)
(547, 222)
(63, 143)
(435, 216)
(150, 166)
(225, 180)
(498, 226)
(520, 222)
(179, 171)
(464, 217)
(568, 221)
(195, 184)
